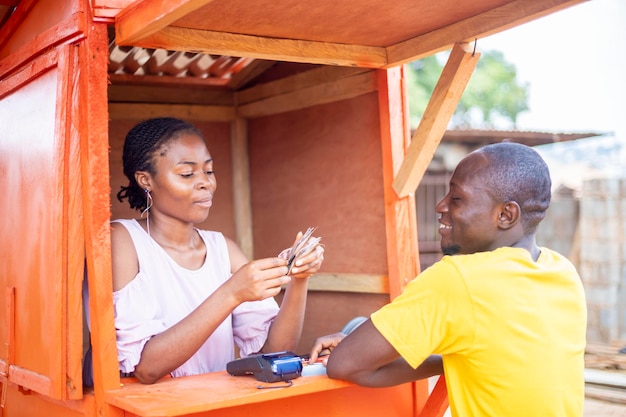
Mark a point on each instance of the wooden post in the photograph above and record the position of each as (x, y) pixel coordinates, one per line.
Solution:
(241, 186)
(94, 157)
(400, 216)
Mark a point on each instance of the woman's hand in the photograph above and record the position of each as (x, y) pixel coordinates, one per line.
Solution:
(259, 279)
(310, 261)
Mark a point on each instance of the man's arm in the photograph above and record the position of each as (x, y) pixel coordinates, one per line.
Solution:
(366, 358)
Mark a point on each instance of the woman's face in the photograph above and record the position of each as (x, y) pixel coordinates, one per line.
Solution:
(184, 182)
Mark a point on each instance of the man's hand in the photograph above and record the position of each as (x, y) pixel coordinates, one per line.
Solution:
(324, 345)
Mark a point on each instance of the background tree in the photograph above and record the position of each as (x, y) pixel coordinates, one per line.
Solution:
(493, 97)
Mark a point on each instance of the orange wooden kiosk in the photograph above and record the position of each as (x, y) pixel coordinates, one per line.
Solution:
(311, 128)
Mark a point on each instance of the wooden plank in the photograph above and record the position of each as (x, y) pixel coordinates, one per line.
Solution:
(119, 111)
(121, 91)
(94, 157)
(143, 18)
(484, 24)
(601, 356)
(73, 306)
(241, 186)
(400, 216)
(314, 77)
(29, 380)
(249, 73)
(610, 395)
(443, 102)
(273, 49)
(68, 30)
(319, 94)
(168, 80)
(344, 282)
(7, 356)
(55, 380)
(437, 403)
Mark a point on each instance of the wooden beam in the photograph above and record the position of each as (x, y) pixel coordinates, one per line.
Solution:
(69, 30)
(505, 17)
(249, 73)
(361, 283)
(443, 102)
(143, 18)
(96, 191)
(119, 111)
(164, 94)
(311, 96)
(273, 49)
(311, 78)
(400, 214)
(437, 403)
(242, 205)
(167, 80)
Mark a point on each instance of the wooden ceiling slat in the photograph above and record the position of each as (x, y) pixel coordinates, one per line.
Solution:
(143, 18)
(265, 48)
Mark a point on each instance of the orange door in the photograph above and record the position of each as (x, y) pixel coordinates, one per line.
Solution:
(41, 231)
(40, 228)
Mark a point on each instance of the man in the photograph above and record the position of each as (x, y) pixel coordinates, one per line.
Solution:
(504, 319)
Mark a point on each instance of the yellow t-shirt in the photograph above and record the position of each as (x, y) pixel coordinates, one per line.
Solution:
(511, 331)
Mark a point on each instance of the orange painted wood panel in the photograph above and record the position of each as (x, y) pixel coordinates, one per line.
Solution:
(33, 158)
(46, 23)
(31, 404)
(321, 166)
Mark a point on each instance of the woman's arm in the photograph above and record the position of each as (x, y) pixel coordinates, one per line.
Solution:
(287, 326)
(168, 350)
(286, 329)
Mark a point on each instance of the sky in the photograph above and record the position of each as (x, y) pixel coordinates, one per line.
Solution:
(575, 64)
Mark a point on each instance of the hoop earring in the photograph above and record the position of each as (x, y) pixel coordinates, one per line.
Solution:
(146, 211)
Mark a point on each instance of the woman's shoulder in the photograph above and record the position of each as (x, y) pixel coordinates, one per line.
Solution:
(124, 261)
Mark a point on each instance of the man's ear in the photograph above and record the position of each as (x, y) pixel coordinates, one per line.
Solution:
(509, 215)
(143, 179)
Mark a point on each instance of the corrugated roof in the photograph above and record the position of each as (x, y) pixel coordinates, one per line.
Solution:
(136, 61)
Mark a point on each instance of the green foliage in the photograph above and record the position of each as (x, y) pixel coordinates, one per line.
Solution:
(493, 94)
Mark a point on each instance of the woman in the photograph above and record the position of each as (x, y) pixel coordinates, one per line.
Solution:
(183, 296)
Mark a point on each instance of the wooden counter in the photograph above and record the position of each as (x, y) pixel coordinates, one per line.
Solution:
(222, 394)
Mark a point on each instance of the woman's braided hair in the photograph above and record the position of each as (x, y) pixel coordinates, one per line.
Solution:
(140, 145)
